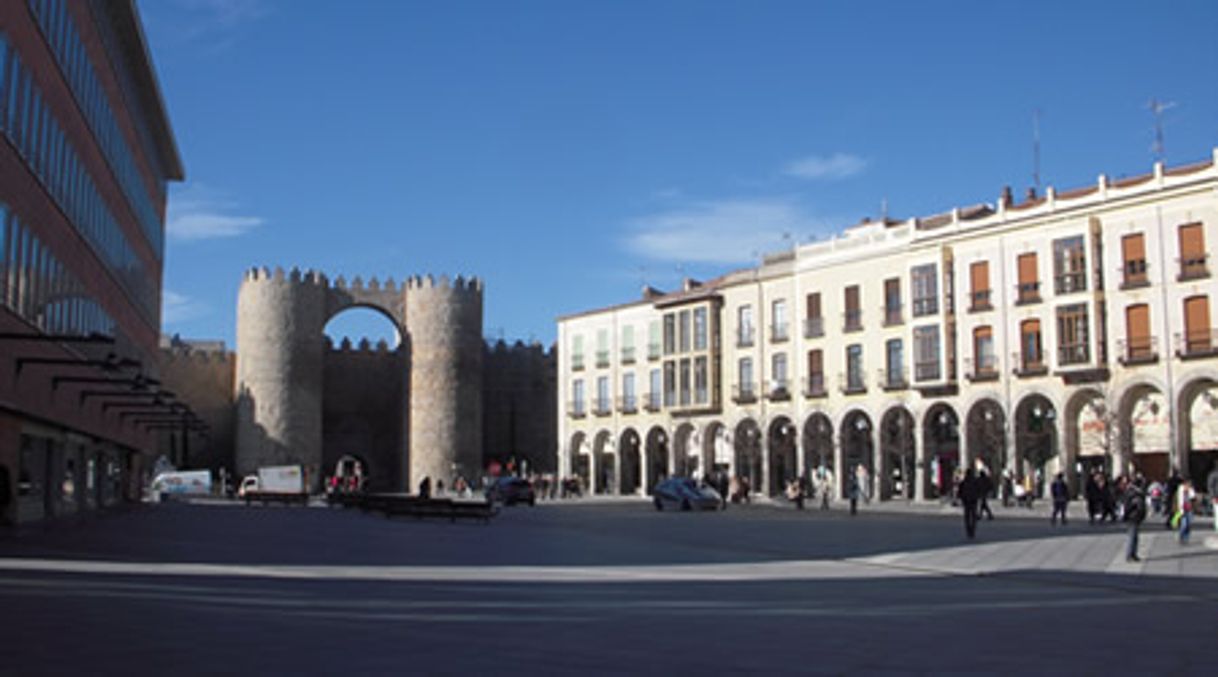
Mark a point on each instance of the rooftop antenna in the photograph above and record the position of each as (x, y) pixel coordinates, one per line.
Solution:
(1036, 148)
(1157, 109)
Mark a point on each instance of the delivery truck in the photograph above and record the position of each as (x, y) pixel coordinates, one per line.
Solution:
(180, 483)
(275, 483)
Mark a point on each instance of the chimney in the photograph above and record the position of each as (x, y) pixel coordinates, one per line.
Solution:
(1006, 199)
(1031, 196)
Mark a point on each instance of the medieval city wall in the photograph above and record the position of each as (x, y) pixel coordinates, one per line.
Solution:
(364, 410)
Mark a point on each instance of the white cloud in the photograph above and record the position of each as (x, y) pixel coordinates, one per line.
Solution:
(198, 213)
(177, 307)
(836, 166)
(719, 232)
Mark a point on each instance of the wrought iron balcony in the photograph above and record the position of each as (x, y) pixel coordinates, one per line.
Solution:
(814, 386)
(814, 327)
(1196, 343)
(1138, 350)
(744, 393)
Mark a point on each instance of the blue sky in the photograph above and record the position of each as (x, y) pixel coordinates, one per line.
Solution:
(568, 152)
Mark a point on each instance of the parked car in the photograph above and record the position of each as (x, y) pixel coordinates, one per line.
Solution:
(683, 493)
(511, 490)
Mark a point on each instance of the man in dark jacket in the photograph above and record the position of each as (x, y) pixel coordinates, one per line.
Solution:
(985, 486)
(1169, 497)
(1135, 512)
(1061, 496)
(969, 491)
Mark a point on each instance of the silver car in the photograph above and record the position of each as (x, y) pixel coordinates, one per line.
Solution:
(682, 493)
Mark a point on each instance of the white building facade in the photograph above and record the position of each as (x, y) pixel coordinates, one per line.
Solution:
(1067, 332)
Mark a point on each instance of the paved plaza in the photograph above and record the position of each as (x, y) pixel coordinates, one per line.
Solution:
(601, 587)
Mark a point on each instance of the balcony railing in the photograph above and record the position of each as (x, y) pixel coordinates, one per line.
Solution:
(927, 305)
(981, 368)
(627, 404)
(1073, 354)
(980, 301)
(1028, 365)
(928, 371)
(628, 355)
(777, 390)
(1138, 350)
(744, 392)
(745, 337)
(602, 359)
(1193, 268)
(1027, 292)
(779, 332)
(653, 351)
(1134, 274)
(852, 382)
(1068, 283)
(651, 402)
(577, 362)
(575, 409)
(604, 407)
(814, 386)
(1196, 343)
(852, 320)
(894, 379)
(814, 327)
(893, 315)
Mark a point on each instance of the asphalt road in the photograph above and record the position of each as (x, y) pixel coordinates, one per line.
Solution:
(580, 588)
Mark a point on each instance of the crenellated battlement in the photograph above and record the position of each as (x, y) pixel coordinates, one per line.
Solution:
(188, 354)
(444, 283)
(277, 274)
(363, 345)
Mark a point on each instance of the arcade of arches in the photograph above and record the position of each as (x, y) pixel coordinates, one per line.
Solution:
(913, 454)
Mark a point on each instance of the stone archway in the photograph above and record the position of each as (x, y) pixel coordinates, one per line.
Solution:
(818, 444)
(746, 443)
(631, 462)
(578, 461)
(985, 443)
(1093, 435)
(899, 454)
(784, 465)
(1198, 428)
(941, 448)
(684, 464)
(1036, 444)
(858, 452)
(657, 457)
(604, 463)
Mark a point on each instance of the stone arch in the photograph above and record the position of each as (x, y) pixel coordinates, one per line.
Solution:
(1198, 425)
(1091, 428)
(578, 458)
(604, 462)
(898, 454)
(818, 443)
(630, 462)
(716, 449)
(387, 299)
(985, 436)
(746, 445)
(1037, 453)
(941, 448)
(856, 436)
(683, 438)
(783, 463)
(362, 308)
(657, 456)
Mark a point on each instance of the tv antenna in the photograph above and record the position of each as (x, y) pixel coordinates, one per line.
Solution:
(1157, 108)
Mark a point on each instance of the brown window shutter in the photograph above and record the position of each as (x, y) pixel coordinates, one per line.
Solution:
(1197, 316)
(892, 289)
(1192, 241)
(852, 298)
(979, 273)
(1137, 323)
(1133, 247)
(982, 333)
(1027, 268)
(814, 305)
(815, 362)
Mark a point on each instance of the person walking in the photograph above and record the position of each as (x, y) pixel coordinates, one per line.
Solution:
(1008, 487)
(984, 485)
(968, 491)
(1169, 494)
(1211, 488)
(824, 486)
(1061, 496)
(1184, 509)
(1091, 491)
(425, 488)
(1135, 512)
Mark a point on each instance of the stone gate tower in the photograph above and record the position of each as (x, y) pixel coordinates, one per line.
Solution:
(282, 355)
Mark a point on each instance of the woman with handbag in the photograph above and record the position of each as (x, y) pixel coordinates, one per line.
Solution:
(1185, 496)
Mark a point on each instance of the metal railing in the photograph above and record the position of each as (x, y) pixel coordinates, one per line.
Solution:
(653, 351)
(928, 371)
(852, 382)
(575, 409)
(927, 305)
(1028, 365)
(980, 301)
(1134, 273)
(814, 386)
(779, 331)
(1073, 354)
(893, 315)
(745, 337)
(1027, 292)
(893, 379)
(628, 355)
(981, 368)
(1068, 283)
(744, 392)
(852, 320)
(651, 402)
(777, 389)
(1138, 350)
(577, 362)
(1196, 343)
(814, 327)
(1193, 267)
